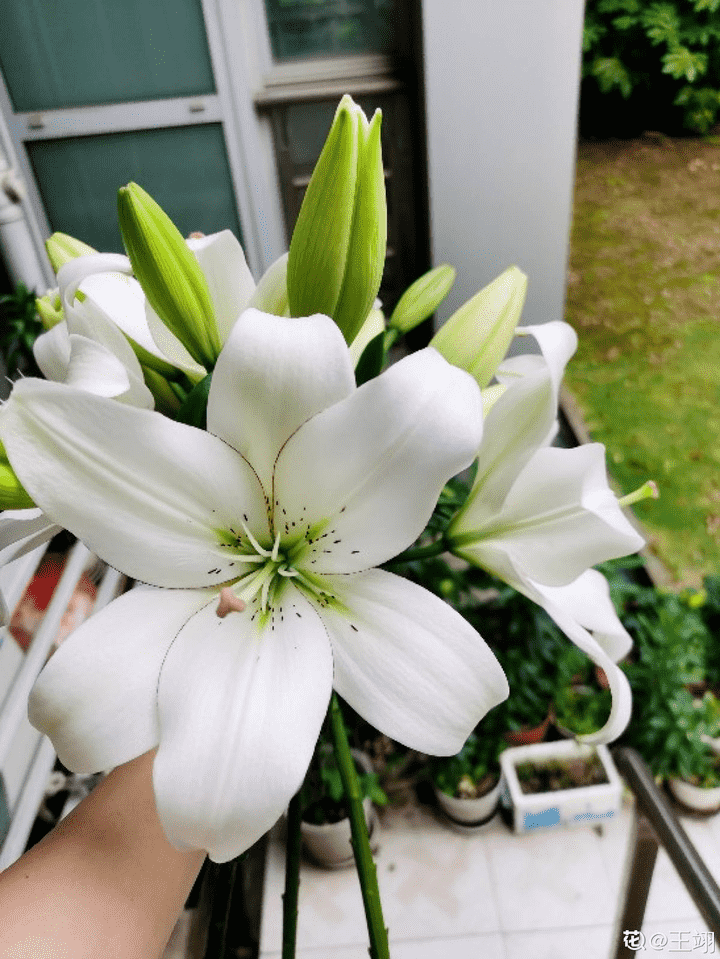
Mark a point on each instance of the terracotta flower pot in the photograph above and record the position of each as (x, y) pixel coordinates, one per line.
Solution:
(524, 737)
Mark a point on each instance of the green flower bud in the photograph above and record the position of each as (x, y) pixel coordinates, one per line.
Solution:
(61, 249)
(337, 252)
(12, 493)
(49, 309)
(168, 273)
(422, 298)
(477, 337)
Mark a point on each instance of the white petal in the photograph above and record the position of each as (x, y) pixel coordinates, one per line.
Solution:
(52, 352)
(372, 467)
(240, 713)
(148, 495)
(94, 369)
(121, 300)
(515, 428)
(559, 519)
(372, 327)
(271, 294)
(21, 530)
(272, 375)
(170, 347)
(96, 697)
(410, 664)
(557, 341)
(229, 279)
(619, 686)
(587, 599)
(85, 318)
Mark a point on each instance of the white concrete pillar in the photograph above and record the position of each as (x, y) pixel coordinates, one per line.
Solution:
(502, 83)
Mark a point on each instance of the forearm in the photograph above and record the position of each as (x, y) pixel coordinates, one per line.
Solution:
(104, 884)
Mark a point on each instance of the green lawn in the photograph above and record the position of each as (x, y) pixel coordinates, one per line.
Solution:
(644, 296)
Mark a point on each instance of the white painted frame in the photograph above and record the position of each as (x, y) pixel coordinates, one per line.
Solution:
(239, 47)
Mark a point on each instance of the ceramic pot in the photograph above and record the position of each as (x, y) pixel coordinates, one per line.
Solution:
(329, 844)
(701, 800)
(470, 812)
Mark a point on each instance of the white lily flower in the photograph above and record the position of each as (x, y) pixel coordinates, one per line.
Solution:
(307, 483)
(538, 517)
(113, 295)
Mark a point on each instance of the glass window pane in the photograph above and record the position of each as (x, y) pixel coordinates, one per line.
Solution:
(184, 168)
(310, 28)
(83, 52)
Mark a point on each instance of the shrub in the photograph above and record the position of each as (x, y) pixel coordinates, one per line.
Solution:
(650, 64)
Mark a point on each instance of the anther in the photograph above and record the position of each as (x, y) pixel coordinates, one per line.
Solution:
(229, 603)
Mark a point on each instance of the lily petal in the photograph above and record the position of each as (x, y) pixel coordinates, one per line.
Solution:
(619, 686)
(271, 294)
(52, 353)
(229, 279)
(96, 697)
(240, 712)
(516, 426)
(557, 341)
(559, 519)
(94, 369)
(412, 428)
(587, 599)
(136, 478)
(410, 664)
(266, 384)
(21, 530)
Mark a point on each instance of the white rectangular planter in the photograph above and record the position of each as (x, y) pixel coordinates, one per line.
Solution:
(563, 807)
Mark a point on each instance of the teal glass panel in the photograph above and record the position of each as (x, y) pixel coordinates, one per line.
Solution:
(311, 28)
(184, 168)
(83, 52)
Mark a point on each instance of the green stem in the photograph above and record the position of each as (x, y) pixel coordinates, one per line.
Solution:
(292, 878)
(423, 552)
(377, 932)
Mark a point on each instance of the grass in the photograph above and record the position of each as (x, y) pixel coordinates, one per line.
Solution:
(644, 296)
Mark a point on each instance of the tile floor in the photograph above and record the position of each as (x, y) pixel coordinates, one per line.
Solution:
(551, 895)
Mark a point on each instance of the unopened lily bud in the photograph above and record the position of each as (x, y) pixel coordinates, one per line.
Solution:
(337, 252)
(477, 337)
(49, 309)
(169, 273)
(62, 248)
(12, 493)
(422, 298)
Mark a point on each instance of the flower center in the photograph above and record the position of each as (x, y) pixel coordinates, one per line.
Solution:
(264, 585)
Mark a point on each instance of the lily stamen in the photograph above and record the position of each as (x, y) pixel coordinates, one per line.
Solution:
(229, 603)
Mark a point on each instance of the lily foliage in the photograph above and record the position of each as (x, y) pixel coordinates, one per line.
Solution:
(258, 473)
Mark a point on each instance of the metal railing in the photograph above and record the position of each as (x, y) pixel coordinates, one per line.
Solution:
(657, 825)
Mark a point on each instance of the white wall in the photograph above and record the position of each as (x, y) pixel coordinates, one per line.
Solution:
(502, 84)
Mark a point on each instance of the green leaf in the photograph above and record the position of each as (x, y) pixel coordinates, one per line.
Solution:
(371, 362)
(662, 23)
(683, 63)
(194, 410)
(609, 73)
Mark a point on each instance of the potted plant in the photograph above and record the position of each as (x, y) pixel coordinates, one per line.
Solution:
(580, 705)
(325, 826)
(467, 785)
(561, 783)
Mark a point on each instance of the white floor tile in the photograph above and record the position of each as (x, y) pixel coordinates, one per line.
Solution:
(433, 883)
(590, 942)
(551, 880)
(668, 899)
(474, 947)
